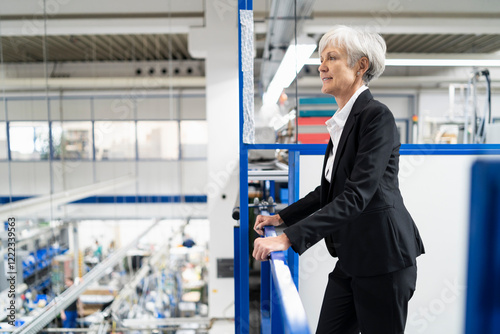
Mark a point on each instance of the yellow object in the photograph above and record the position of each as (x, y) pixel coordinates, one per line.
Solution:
(80, 264)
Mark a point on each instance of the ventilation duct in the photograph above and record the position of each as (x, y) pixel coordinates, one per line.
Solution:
(281, 31)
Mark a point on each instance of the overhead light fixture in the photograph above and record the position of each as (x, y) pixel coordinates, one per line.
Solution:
(431, 62)
(295, 58)
(443, 62)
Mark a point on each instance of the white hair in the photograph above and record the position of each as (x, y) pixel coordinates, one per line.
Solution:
(358, 43)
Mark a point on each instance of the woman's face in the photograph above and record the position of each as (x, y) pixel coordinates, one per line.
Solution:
(338, 78)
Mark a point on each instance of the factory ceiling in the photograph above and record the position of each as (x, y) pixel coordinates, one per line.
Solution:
(158, 31)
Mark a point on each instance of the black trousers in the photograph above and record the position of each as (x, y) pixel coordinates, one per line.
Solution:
(370, 305)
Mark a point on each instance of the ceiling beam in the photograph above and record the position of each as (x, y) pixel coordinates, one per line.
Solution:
(392, 24)
(116, 26)
(314, 60)
(102, 83)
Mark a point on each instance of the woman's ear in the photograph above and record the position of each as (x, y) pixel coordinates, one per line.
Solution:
(363, 65)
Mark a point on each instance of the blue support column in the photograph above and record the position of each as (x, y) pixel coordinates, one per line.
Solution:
(242, 320)
(272, 189)
(242, 297)
(236, 266)
(265, 297)
(293, 196)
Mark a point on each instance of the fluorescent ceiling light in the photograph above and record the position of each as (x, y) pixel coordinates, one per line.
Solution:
(431, 62)
(443, 62)
(295, 57)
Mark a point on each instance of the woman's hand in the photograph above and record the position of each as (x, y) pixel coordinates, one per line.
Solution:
(262, 221)
(262, 247)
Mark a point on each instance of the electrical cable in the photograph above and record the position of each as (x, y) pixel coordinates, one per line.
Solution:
(485, 118)
(486, 74)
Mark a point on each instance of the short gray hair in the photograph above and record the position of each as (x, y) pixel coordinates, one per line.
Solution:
(358, 43)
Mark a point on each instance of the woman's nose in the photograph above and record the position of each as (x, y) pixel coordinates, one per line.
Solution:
(322, 67)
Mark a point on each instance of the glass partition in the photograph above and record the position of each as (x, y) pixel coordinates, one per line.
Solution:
(114, 140)
(194, 139)
(281, 64)
(72, 140)
(3, 140)
(29, 140)
(435, 100)
(90, 153)
(158, 140)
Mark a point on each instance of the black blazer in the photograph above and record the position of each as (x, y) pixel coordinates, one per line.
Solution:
(360, 214)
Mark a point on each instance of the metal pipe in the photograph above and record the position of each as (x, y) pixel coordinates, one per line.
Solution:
(118, 329)
(281, 32)
(276, 175)
(167, 322)
(21, 84)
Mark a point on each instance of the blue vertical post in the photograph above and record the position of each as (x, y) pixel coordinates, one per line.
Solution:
(483, 277)
(293, 196)
(236, 265)
(242, 318)
(242, 296)
(265, 297)
(272, 189)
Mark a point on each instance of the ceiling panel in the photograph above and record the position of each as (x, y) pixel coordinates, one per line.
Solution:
(439, 43)
(95, 48)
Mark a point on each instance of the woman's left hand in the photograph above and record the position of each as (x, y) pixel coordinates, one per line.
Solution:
(262, 247)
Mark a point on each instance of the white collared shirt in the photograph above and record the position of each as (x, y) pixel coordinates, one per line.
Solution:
(335, 126)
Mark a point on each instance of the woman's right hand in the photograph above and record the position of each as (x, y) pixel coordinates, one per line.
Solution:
(262, 221)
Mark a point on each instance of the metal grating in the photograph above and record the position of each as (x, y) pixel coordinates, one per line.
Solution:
(174, 46)
(96, 48)
(450, 43)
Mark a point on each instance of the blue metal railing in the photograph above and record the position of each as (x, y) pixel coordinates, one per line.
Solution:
(281, 307)
(483, 290)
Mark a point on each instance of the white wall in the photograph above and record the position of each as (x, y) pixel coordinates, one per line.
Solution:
(316, 263)
(436, 192)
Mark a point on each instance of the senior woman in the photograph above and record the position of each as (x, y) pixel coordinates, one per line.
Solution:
(358, 208)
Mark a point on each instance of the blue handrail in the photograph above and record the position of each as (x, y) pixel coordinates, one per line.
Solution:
(406, 149)
(284, 292)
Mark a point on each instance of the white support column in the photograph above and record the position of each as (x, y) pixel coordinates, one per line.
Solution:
(218, 42)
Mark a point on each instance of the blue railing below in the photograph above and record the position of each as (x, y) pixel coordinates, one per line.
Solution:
(281, 307)
(483, 290)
